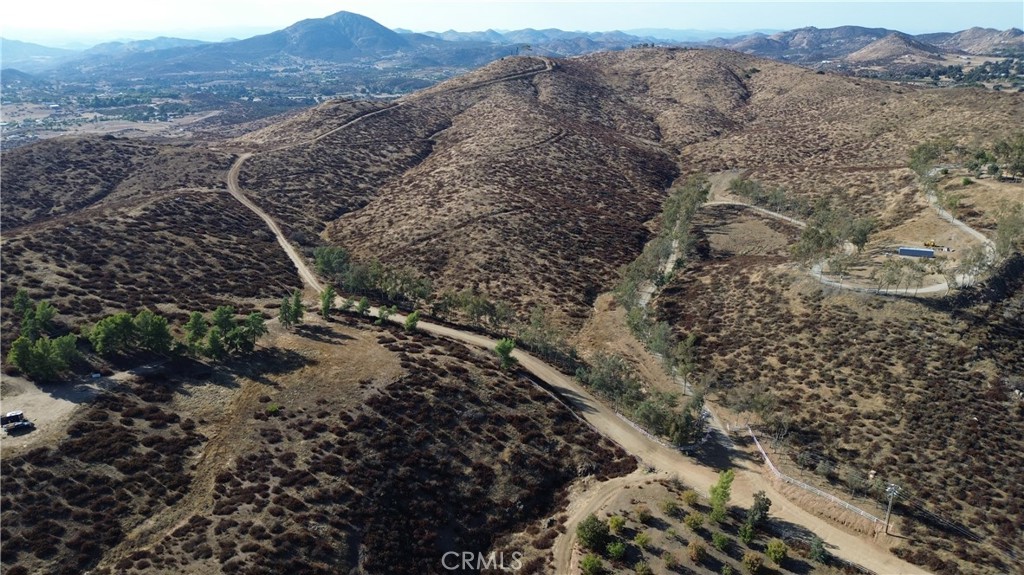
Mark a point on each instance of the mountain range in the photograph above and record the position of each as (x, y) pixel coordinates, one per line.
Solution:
(346, 38)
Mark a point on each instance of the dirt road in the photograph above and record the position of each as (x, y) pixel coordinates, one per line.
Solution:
(848, 546)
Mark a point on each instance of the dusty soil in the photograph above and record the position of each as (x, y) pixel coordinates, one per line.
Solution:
(48, 406)
(606, 331)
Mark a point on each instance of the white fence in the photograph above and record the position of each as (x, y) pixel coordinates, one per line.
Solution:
(810, 488)
(705, 414)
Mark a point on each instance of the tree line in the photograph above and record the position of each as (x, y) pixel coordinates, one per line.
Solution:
(42, 357)
(657, 412)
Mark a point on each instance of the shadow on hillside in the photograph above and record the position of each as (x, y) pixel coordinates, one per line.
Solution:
(322, 333)
(271, 361)
(717, 453)
(577, 402)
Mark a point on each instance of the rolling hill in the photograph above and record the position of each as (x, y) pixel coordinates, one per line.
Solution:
(530, 181)
(892, 47)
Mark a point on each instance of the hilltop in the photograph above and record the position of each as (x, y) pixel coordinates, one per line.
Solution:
(892, 47)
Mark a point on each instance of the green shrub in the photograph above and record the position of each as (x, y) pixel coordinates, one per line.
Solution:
(721, 541)
(671, 561)
(694, 520)
(591, 565)
(642, 568)
(776, 550)
(670, 507)
(616, 550)
(746, 533)
(642, 540)
(818, 552)
(616, 523)
(726, 569)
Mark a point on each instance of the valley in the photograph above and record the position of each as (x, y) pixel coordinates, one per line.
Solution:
(518, 194)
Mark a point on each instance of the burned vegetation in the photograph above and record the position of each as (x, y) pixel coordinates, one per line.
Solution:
(125, 459)
(453, 454)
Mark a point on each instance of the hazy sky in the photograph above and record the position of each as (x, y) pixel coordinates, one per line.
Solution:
(56, 22)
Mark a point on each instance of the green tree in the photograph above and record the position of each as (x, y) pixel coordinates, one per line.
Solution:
(593, 533)
(721, 492)
(445, 304)
(504, 350)
(223, 318)
(327, 302)
(215, 345)
(860, 231)
(923, 157)
(758, 512)
(195, 329)
(385, 314)
(776, 550)
(412, 320)
(235, 341)
(331, 261)
(38, 320)
(22, 302)
(1011, 152)
(254, 326)
(113, 334)
(66, 349)
(297, 308)
(22, 356)
(43, 358)
(286, 315)
(153, 332)
(363, 307)
(1010, 230)
(815, 244)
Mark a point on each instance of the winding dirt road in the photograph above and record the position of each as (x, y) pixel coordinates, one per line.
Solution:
(850, 547)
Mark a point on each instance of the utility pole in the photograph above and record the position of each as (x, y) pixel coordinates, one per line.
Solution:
(892, 491)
